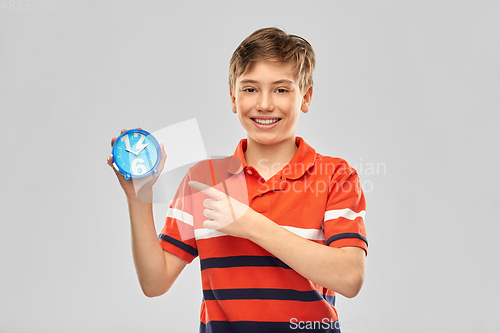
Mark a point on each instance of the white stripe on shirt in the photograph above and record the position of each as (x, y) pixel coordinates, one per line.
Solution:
(180, 215)
(312, 234)
(205, 233)
(346, 213)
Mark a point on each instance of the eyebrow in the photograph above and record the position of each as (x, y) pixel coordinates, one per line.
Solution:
(257, 82)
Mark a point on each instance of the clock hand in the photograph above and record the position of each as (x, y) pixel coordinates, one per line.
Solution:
(144, 146)
(133, 152)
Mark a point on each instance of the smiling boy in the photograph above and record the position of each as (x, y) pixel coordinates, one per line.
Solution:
(272, 259)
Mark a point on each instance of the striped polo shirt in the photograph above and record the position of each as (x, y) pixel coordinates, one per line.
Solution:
(246, 288)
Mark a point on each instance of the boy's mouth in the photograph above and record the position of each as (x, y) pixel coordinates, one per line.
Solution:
(266, 121)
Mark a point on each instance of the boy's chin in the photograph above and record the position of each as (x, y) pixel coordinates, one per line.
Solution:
(269, 140)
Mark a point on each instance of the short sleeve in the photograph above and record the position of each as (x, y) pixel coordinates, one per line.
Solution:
(177, 236)
(343, 222)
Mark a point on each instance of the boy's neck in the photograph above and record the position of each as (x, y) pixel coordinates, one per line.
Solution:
(269, 159)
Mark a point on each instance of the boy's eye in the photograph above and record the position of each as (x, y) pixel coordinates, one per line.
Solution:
(281, 90)
(249, 89)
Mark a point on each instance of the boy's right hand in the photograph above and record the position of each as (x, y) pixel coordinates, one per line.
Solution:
(132, 186)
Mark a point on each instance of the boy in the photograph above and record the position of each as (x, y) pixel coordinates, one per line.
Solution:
(273, 256)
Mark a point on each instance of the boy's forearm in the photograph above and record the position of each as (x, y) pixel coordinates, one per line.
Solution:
(334, 268)
(147, 252)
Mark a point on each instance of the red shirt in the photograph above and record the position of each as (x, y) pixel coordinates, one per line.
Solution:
(246, 288)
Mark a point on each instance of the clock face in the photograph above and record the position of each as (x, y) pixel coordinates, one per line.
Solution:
(136, 153)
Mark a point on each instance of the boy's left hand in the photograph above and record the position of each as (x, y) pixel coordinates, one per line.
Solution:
(225, 214)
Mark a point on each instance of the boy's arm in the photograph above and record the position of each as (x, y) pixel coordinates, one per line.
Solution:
(339, 269)
(156, 269)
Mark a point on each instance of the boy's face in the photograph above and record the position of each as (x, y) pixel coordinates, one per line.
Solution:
(268, 102)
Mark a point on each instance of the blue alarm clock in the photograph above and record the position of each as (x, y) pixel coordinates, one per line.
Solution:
(136, 153)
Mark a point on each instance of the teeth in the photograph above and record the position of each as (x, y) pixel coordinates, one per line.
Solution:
(266, 122)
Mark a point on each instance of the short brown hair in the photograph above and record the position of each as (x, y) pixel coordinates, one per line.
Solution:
(275, 45)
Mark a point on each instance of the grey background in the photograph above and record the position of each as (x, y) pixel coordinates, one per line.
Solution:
(410, 86)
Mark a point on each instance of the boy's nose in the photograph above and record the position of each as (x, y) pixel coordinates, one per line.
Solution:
(265, 103)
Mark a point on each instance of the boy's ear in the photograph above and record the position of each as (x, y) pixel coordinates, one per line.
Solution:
(306, 100)
(233, 100)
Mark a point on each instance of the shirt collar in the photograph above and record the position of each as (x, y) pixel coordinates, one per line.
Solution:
(303, 160)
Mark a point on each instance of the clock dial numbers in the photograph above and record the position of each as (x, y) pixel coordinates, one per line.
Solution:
(136, 154)
(140, 144)
(127, 142)
(138, 169)
(144, 163)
